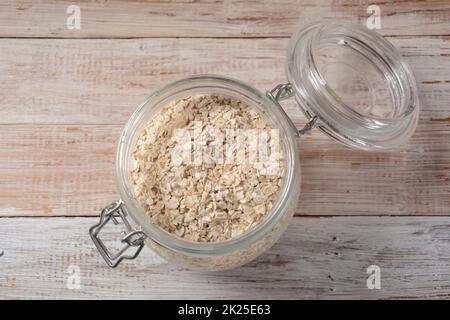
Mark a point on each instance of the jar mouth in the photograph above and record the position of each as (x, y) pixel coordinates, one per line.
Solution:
(356, 82)
(215, 85)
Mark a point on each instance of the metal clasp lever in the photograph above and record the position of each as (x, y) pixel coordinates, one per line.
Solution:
(132, 238)
(285, 91)
(281, 92)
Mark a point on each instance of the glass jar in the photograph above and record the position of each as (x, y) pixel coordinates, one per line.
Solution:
(348, 81)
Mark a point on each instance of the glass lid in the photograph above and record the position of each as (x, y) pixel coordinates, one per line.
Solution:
(356, 84)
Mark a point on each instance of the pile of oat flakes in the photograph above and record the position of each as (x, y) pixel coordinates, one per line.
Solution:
(205, 202)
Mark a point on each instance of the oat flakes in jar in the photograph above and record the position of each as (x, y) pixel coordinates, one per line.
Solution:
(208, 168)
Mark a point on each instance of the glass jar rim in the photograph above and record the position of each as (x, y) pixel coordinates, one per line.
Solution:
(336, 118)
(164, 238)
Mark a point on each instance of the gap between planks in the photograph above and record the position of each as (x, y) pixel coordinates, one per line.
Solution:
(295, 216)
(210, 38)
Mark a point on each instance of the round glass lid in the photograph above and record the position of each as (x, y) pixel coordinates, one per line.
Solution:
(356, 84)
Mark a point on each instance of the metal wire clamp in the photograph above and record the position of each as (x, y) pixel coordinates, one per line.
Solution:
(285, 91)
(131, 238)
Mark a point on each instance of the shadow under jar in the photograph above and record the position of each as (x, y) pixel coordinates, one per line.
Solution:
(348, 81)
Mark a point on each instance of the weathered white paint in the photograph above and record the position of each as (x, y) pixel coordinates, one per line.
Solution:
(59, 170)
(101, 81)
(261, 18)
(316, 258)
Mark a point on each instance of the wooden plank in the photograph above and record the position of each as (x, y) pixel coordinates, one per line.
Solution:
(315, 258)
(262, 18)
(414, 180)
(102, 81)
(57, 170)
(69, 170)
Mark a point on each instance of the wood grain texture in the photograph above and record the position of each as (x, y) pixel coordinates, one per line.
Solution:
(57, 170)
(63, 170)
(112, 19)
(102, 81)
(315, 258)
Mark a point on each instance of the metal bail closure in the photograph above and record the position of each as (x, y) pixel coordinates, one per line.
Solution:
(132, 238)
(285, 91)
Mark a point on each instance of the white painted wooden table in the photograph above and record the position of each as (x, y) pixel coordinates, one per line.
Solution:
(66, 94)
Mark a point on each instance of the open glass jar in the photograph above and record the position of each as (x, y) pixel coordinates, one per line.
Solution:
(348, 81)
